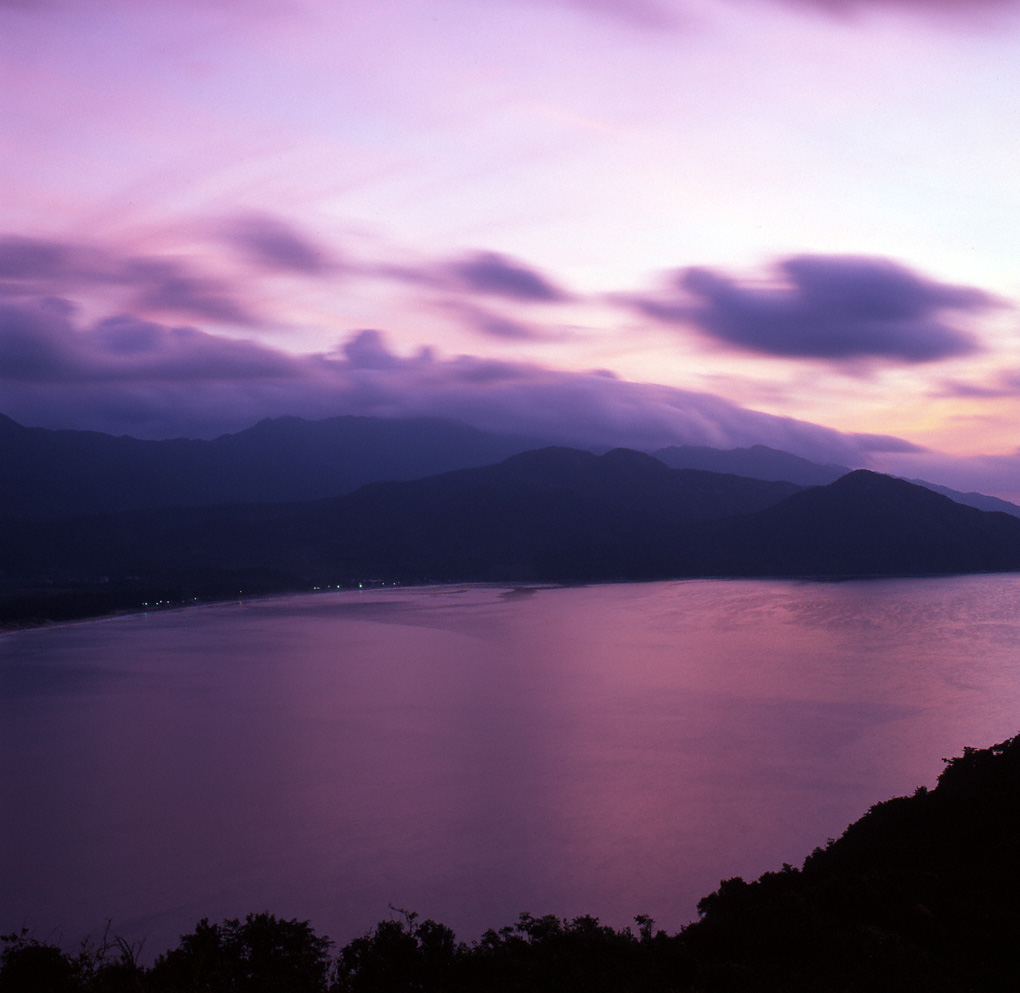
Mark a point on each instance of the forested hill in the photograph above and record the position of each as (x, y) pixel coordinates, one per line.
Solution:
(60, 473)
(556, 514)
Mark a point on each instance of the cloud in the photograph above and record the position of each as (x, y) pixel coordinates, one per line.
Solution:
(169, 287)
(40, 349)
(271, 243)
(647, 14)
(32, 258)
(1005, 383)
(33, 267)
(478, 274)
(837, 308)
(28, 264)
(367, 350)
(497, 275)
(492, 325)
(127, 375)
(924, 7)
(668, 16)
(166, 287)
(886, 443)
(35, 346)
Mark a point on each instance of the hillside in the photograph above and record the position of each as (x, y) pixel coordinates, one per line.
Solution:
(865, 524)
(554, 514)
(47, 474)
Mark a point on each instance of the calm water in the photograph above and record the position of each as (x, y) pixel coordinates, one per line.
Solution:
(473, 752)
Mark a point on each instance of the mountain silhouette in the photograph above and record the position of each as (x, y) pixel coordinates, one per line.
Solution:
(865, 524)
(47, 473)
(758, 462)
(762, 462)
(554, 514)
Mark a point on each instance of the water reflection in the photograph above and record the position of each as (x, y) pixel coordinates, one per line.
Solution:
(472, 752)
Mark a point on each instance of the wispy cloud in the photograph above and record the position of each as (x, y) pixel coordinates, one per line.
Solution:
(276, 245)
(33, 267)
(937, 8)
(496, 275)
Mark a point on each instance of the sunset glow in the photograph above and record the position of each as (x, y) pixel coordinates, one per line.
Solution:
(617, 222)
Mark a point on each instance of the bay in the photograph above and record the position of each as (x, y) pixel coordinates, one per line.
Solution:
(471, 752)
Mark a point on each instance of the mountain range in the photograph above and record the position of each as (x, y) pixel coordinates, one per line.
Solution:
(48, 474)
(555, 514)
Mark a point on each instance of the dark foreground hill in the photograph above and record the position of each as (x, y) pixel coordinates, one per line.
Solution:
(918, 896)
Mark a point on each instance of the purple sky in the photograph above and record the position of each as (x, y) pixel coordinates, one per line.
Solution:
(639, 222)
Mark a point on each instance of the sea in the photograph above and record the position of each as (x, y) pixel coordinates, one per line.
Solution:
(471, 752)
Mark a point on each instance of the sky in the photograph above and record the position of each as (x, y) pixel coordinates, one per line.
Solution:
(602, 222)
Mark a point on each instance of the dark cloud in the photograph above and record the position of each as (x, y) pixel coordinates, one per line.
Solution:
(273, 244)
(35, 346)
(27, 264)
(491, 273)
(31, 268)
(127, 347)
(169, 287)
(367, 350)
(839, 308)
(175, 288)
(39, 345)
(32, 259)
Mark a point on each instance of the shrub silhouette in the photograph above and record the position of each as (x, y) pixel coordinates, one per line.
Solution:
(920, 894)
(261, 955)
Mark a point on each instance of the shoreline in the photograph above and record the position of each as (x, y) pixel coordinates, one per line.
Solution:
(512, 586)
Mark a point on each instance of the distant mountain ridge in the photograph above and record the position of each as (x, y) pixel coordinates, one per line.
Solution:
(758, 462)
(48, 474)
(762, 462)
(45, 473)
